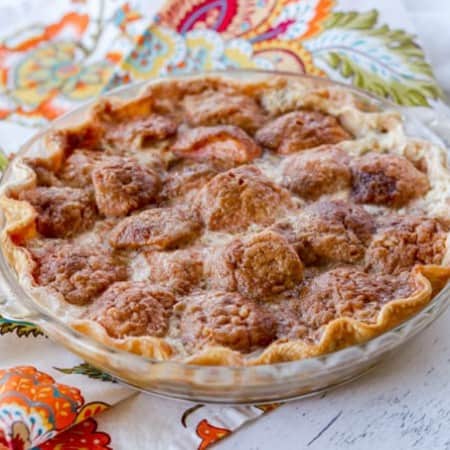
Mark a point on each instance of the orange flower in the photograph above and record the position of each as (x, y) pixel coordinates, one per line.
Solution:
(36, 392)
(35, 408)
(209, 434)
(74, 21)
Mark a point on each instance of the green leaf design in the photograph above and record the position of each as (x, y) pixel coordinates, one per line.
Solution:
(89, 371)
(3, 161)
(407, 94)
(352, 20)
(387, 62)
(22, 329)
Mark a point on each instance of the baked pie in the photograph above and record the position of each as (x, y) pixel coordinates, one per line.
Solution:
(233, 223)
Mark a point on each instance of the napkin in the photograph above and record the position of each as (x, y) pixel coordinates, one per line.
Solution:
(55, 58)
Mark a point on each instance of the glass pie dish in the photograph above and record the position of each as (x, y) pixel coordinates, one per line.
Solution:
(250, 384)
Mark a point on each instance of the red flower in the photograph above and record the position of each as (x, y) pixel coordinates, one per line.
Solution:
(82, 436)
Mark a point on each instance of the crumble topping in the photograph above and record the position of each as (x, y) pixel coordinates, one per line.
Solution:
(79, 273)
(404, 241)
(235, 199)
(158, 228)
(122, 185)
(225, 318)
(61, 211)
(349, 292)
(386, 180)
(317, 172)
(219, 108)
(77, 168)
(180, 270)
(224, 146)
(259, 267)
(133, 309)
(329, 232)
(300, 130)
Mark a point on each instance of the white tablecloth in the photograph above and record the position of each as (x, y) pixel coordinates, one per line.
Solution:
(431, 19)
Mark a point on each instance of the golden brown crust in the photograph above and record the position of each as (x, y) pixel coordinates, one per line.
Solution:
(180, 270)
(405, 241)
(77, 272)
(147, 346)
(61, 211)
(128, 309)
(427, 279)
(225, 318)
(330, 231)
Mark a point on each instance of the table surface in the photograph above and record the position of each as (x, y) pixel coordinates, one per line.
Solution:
(405, 402)
(431, 19)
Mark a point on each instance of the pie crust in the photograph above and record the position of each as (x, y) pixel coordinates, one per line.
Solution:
(218, 222)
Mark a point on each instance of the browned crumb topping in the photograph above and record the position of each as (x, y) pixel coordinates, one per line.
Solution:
(142, 131)
(349, 292)
(387, 180)
(133, 124)
(233, 200)
(300, 130)
(180, 270)
(122, 185)
(219, 108)
(117, 126)
(79, 273)
(88, 137)
(405, 241)
(133, 309)
(317, 172)
(61, 211)
(185, 179)
(159, 228)
(78, 167)
(225, 318)
(259, 267)
(45, 177)
(330, 232)
(224, 146)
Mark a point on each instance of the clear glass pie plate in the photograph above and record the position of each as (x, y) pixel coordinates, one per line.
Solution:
(220, 384)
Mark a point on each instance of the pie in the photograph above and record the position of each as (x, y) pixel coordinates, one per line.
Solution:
(223, 222)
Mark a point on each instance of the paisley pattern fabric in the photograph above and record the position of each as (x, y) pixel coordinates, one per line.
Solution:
(53, 59)
(35, 408)
(46, 70)
(311, 36)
